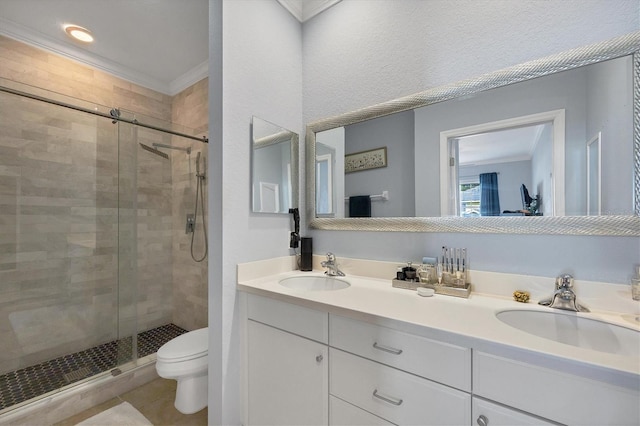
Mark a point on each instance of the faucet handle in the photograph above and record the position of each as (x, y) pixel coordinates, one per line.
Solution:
(331, 257)
(564, 281)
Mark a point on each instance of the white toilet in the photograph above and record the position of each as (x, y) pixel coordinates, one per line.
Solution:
(185, 359)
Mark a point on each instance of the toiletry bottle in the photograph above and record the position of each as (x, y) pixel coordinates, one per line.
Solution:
(428, 274)
(409, 272)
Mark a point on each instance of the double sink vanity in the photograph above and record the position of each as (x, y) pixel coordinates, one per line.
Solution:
(354, 350)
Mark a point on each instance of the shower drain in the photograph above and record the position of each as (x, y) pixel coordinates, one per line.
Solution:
(78, 374)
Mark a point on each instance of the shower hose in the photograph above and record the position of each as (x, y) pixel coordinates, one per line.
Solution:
(200, 191)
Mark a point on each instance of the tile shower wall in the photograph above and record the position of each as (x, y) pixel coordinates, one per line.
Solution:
(59, 217)
(59, 213)
(190, 108)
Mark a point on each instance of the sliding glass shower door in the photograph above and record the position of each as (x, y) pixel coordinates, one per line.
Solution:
(91, 238)
(67, 246)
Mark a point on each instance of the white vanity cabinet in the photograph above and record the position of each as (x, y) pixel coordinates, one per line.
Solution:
(554, 394)
(391, 374)
(287, 364)
(309, 367)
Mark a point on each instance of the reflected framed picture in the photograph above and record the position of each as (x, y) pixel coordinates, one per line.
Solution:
(365, 160)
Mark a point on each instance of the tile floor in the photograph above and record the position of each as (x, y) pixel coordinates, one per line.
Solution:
(154, 400)
(26, 383)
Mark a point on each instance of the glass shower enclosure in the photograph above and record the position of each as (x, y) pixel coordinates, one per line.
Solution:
(85, 241)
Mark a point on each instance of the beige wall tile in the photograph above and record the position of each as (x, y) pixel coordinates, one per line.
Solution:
(61, 183)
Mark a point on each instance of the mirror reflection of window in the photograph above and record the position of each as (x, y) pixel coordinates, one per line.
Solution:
(469, 195)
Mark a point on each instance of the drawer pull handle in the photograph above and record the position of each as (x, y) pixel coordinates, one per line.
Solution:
(319, 358)
(393, 401)
(387, 349)
(483, 421)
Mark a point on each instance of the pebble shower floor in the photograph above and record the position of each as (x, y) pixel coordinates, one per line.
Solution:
(21, 385)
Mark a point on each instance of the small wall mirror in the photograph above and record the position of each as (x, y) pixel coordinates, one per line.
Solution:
(274, 168)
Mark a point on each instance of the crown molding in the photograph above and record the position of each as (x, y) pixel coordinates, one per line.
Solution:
(189, 78)
(26, 35)
(303, 10)
(294, 7)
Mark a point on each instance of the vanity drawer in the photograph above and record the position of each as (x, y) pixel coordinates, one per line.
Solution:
(295, 319)
(438, 361)
(344, 414)
(553, 394)
(490, 414)
(394, 395)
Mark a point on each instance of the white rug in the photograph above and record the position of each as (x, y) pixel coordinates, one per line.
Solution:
(120, 415)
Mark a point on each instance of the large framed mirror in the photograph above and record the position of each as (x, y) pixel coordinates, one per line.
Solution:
(512, 151)
(274, 168)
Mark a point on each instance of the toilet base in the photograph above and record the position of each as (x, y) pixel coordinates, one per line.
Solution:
(191, 394)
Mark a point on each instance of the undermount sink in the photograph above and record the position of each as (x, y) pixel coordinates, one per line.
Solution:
(574, 330)
(314, 283)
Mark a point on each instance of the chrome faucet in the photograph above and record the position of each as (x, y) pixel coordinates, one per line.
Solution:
(564, 297)
(332, 266)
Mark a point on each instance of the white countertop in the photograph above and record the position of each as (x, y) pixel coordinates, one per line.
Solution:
(471, 322)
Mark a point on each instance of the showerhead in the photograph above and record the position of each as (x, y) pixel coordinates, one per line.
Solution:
(154, 151)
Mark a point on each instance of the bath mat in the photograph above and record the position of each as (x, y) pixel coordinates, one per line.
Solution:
(120, 415)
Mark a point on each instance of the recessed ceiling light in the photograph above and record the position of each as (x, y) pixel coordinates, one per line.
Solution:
(79, 33)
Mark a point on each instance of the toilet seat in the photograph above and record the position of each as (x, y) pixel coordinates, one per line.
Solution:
(188, 346)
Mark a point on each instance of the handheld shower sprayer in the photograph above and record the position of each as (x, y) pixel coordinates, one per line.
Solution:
(199, 195)
(198, 174)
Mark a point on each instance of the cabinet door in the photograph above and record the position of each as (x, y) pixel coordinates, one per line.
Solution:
(486, 413)
(288, 378)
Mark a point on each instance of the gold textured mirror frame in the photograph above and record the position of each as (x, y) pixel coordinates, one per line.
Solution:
(628, 44)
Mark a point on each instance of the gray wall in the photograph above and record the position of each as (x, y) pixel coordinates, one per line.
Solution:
(361, 53)
(396, 133)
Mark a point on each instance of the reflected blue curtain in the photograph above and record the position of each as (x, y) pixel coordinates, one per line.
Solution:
(489, 199)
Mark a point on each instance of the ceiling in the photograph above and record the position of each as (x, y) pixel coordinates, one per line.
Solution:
(501, 146)
(132, 38)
